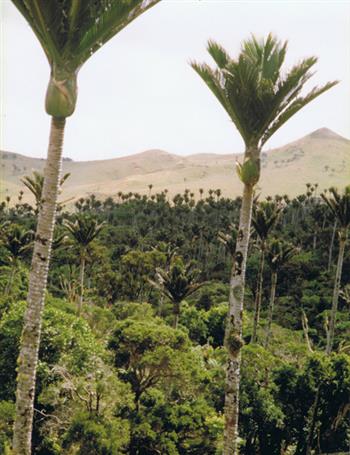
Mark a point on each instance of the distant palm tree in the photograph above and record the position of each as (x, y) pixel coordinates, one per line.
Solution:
(35, 186)
(339, 206)
(16, 241)
(264, 218)
(70, 32)
(176, 283)
(83, 230)
(229, 240)
(279, 253)
(259, 99)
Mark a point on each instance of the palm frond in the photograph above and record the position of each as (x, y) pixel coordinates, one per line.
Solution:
(214, 81)
(70, 31)
(218, 53)
(339, 205)
(295, 107)
(84, 229)
(253, 90)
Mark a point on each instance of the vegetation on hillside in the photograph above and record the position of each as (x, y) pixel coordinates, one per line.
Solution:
(118, 378)
(128, 354)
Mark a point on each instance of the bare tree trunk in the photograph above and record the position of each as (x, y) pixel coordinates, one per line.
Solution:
(305, 325)
(271, 308)
(330, 332)
(11, 278)
(160, 306)
(176, 312)
(82, 275)
(30, 340)
(314, 413)
(233, 333)
(258, 296)
(331, 245)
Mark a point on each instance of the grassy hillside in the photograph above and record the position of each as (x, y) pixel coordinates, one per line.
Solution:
(321, 157)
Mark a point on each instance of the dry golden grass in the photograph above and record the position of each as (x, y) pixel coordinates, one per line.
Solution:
(322, 157)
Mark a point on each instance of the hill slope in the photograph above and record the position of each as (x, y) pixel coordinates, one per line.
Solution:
(322, 157)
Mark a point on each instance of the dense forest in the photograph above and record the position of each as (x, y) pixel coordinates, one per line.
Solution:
(131, 355)
(192, 325)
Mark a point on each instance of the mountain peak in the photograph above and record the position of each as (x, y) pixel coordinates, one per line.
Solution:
(325, 133)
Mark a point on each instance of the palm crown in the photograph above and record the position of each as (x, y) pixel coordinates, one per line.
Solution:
(258, 97)
(16, 241)
(279, 253)
(264, 218)
(339, 205)
(179, 282)
(70, 31)
(84, 229)
(36, 182)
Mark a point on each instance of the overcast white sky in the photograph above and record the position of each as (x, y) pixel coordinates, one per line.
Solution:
(138, 92)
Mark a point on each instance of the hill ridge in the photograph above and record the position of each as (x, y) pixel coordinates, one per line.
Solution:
(322, 156)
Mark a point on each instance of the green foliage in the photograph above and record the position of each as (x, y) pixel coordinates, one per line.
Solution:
(96, 435)
(163, 389)
(323, 380)
(148, 352)
(137, 267)
(195, 322)
(65, 339)
(175, 427)
(216, 318)
(7, 415)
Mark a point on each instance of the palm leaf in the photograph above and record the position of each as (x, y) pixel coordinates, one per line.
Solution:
(72, 30)
(252, 89)
(295, 107)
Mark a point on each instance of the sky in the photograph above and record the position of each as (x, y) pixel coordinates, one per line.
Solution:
(138, 92)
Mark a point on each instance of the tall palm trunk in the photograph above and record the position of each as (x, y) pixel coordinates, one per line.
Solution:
(314, 413)
(176, 312)
(330, 332)
(82, 276)
(11, 278)
(271, 307)
(28, 357)
(331, 245)
(258, 296)
(233, 335)
(305, 325)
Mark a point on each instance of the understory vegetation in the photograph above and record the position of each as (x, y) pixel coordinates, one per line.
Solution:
(132, 357)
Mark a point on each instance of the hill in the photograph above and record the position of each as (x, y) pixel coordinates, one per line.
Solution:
(321, 157)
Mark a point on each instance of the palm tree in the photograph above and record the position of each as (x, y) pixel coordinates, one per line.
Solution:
(345, 293)
(339, 206)
(279, 253)
(69, 33)
(16, 241)
(264, 219)
(35, 186)
(259, 99)
(229, 240)
(83, 231)
(176, 283)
